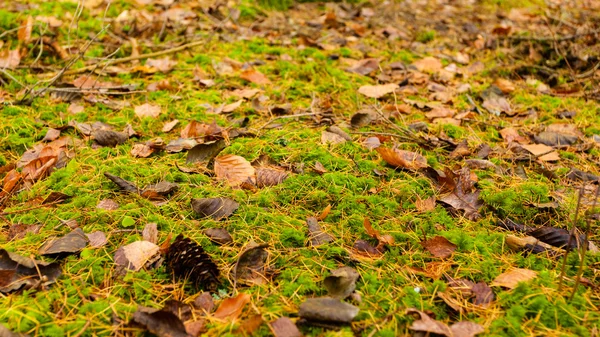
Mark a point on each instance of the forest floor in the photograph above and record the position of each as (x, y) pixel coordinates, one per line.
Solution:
(380, 168)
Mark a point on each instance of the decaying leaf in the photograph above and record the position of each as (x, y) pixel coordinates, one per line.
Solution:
(429, 325)
(108, 204)
(250, 267)
(231, 308)
(511, 278)
(150, 233)
(425, 205)
(255, 77)
(327, 309)
(109, 138)
(439, 246)
(495, 102)
(147, 110)
(377, 91)
(217, 208)
(97, 239)
(136, 255)
(163, 65)
(234, 169)
(19, 231)
(402, 159)
(428, 64)
(162, 323)
(316, 234)
(284, 327)
(464, 195)
(187, 260)
(218, 235)
(159, 191)
(333, 138)
(170, 125)
(10, 59)
(17, 272)
(364, 67)
(341, 283)
(72, 243)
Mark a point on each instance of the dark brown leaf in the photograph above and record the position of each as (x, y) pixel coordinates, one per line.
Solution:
(341, 283)
(557, 237)
(162, 323)
(123, 184)
(463, 196)
(18, 272)
(284, 327)
(159, 191)
(327, 309)
(205, 152)
(316, 234)
(250, 267)
(555, 138)
(72, 243)
(362, 118)
(19, 231)
(218, 235)
(217, 208)
(56, 198)
(109, 138)
(439, 246)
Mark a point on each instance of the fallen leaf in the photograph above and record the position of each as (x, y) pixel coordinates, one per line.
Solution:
(364, 67)
(219, 236)
(205, 152)
(232, 106)
(163, 65)
(495, 102)
(512, 135)
(150, 233)
(402, 159)
(255, 77)
(372, 143)
(250, 325)
(19, 231)
(284, 327)
(162, 323)
(505, 85)
(147, 110)
(17, 272)
(136, 255)
(428, 64)
(170, 125)
(51, 134)
(377, 91)
(250, 267)
(108, 204)
(336, 130)
(557, 237)
(439, 246)
(425, 205)
(324, 213)
(123, 184)
(330, 137)
(244, 93)
(429, 325)
(141, 151)
(97, 239)
(316, 234)
(341, 283)
(551, 138)
(25, 30)
(542, 152)
(72, 243)
(188, 261)
(231, 308)
(204, 302)
(463, 194)
(511, 278)
(180, 144)
(234, 169)
(327, 309)
(483, 294)
(216, 208)
(10, 59)
(159, 191)
(109, 138)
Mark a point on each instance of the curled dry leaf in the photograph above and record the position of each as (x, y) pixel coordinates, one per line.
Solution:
(402, 159)
(231, 308)
(136, 255)
(109, 138)
(425, 205)
(327, 309)
(219, 236)
(108, 204)
(97, 239)
(316, 234)
(341, 283)
(250, 267)
(377, 91)
(284, 327)
(217, 208)
(162, 323)
(150, 233)
(439, 246)
(255, 77)
(511, 278)
(234, 169)
(18, 272)
(147, 110)
(429, 325)
(72, 243)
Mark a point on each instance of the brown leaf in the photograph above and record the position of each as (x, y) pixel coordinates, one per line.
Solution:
(109, 138)
(141, 151)
(234, 169)
(327, 309)
(19, 231)
(11, 182)
(330, 137)
(170, 125)
(341, 283)
(270, 176)
(463, 194)
(204, 302)
(159, 191)
(205, 152)
(316, 234)
(425, 205)
(511, 278)
(24, 32)
(108, 204)
(439, 246)
(72, 243)
(250, 267)
(495, 102)
(483, 294)
(147, 110)
(55, 198)
(123, 184)
(428, 64)
(10, 59)
(219, 236)
(97, 239)
(244, 93)
(250, 325)
(217, 208)
(377, 91)
(231, 308)
(18, 272)
(197, 129)
(136, 255)
(150, 233)
(324, 213)
(162, 323)
(402, 159)
(284, 327)
(364, 67)
(512, 135)
(232, 106)
(163, 65)
(430, 326)
(319, 168)
(504, 85)
(51, 134)
(255, 77)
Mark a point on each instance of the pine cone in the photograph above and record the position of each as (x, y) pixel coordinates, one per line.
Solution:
(186, 259)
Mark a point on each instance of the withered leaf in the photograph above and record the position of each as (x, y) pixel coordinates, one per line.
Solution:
(429, 325)
(250, 267)
(159, 191)
(425, 205)
(170, 125)
(232, 307)
(428, 64)
(317, 236)
(250, 325)
(463, 196)
(71, 243)
(495, 102)
(141, 151)
(51, 134)
(56, 198)
(511, 278)
(341, 283)
(204, 302)
(147, 110)
(402, 159)
(439, 246)
(123, 184)
(150, 233)
(109, 138)
(483, 294)
(234, 169)
(162, 323)
(338, 131)
(270, 176)
(327, 309)
(364, 67)
(333, 138)
(205, 152)
(19, 231)
(284, 327)
(319, 168)
(10, 59)
(377, 91)
(551, 138)
(108, 204)
(255, 76)
(361, 119)
(557, 237)
(217, 208)
(180, 144)
(136, 255)
(163, 65)
(18, 272)
(218, 235)
(97, 239)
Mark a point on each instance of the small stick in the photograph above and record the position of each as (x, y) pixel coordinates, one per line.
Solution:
(571, 234)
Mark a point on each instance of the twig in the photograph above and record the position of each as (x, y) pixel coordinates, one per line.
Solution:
(584, 246)
(85, 326)
(551, 38)
(571, 234)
